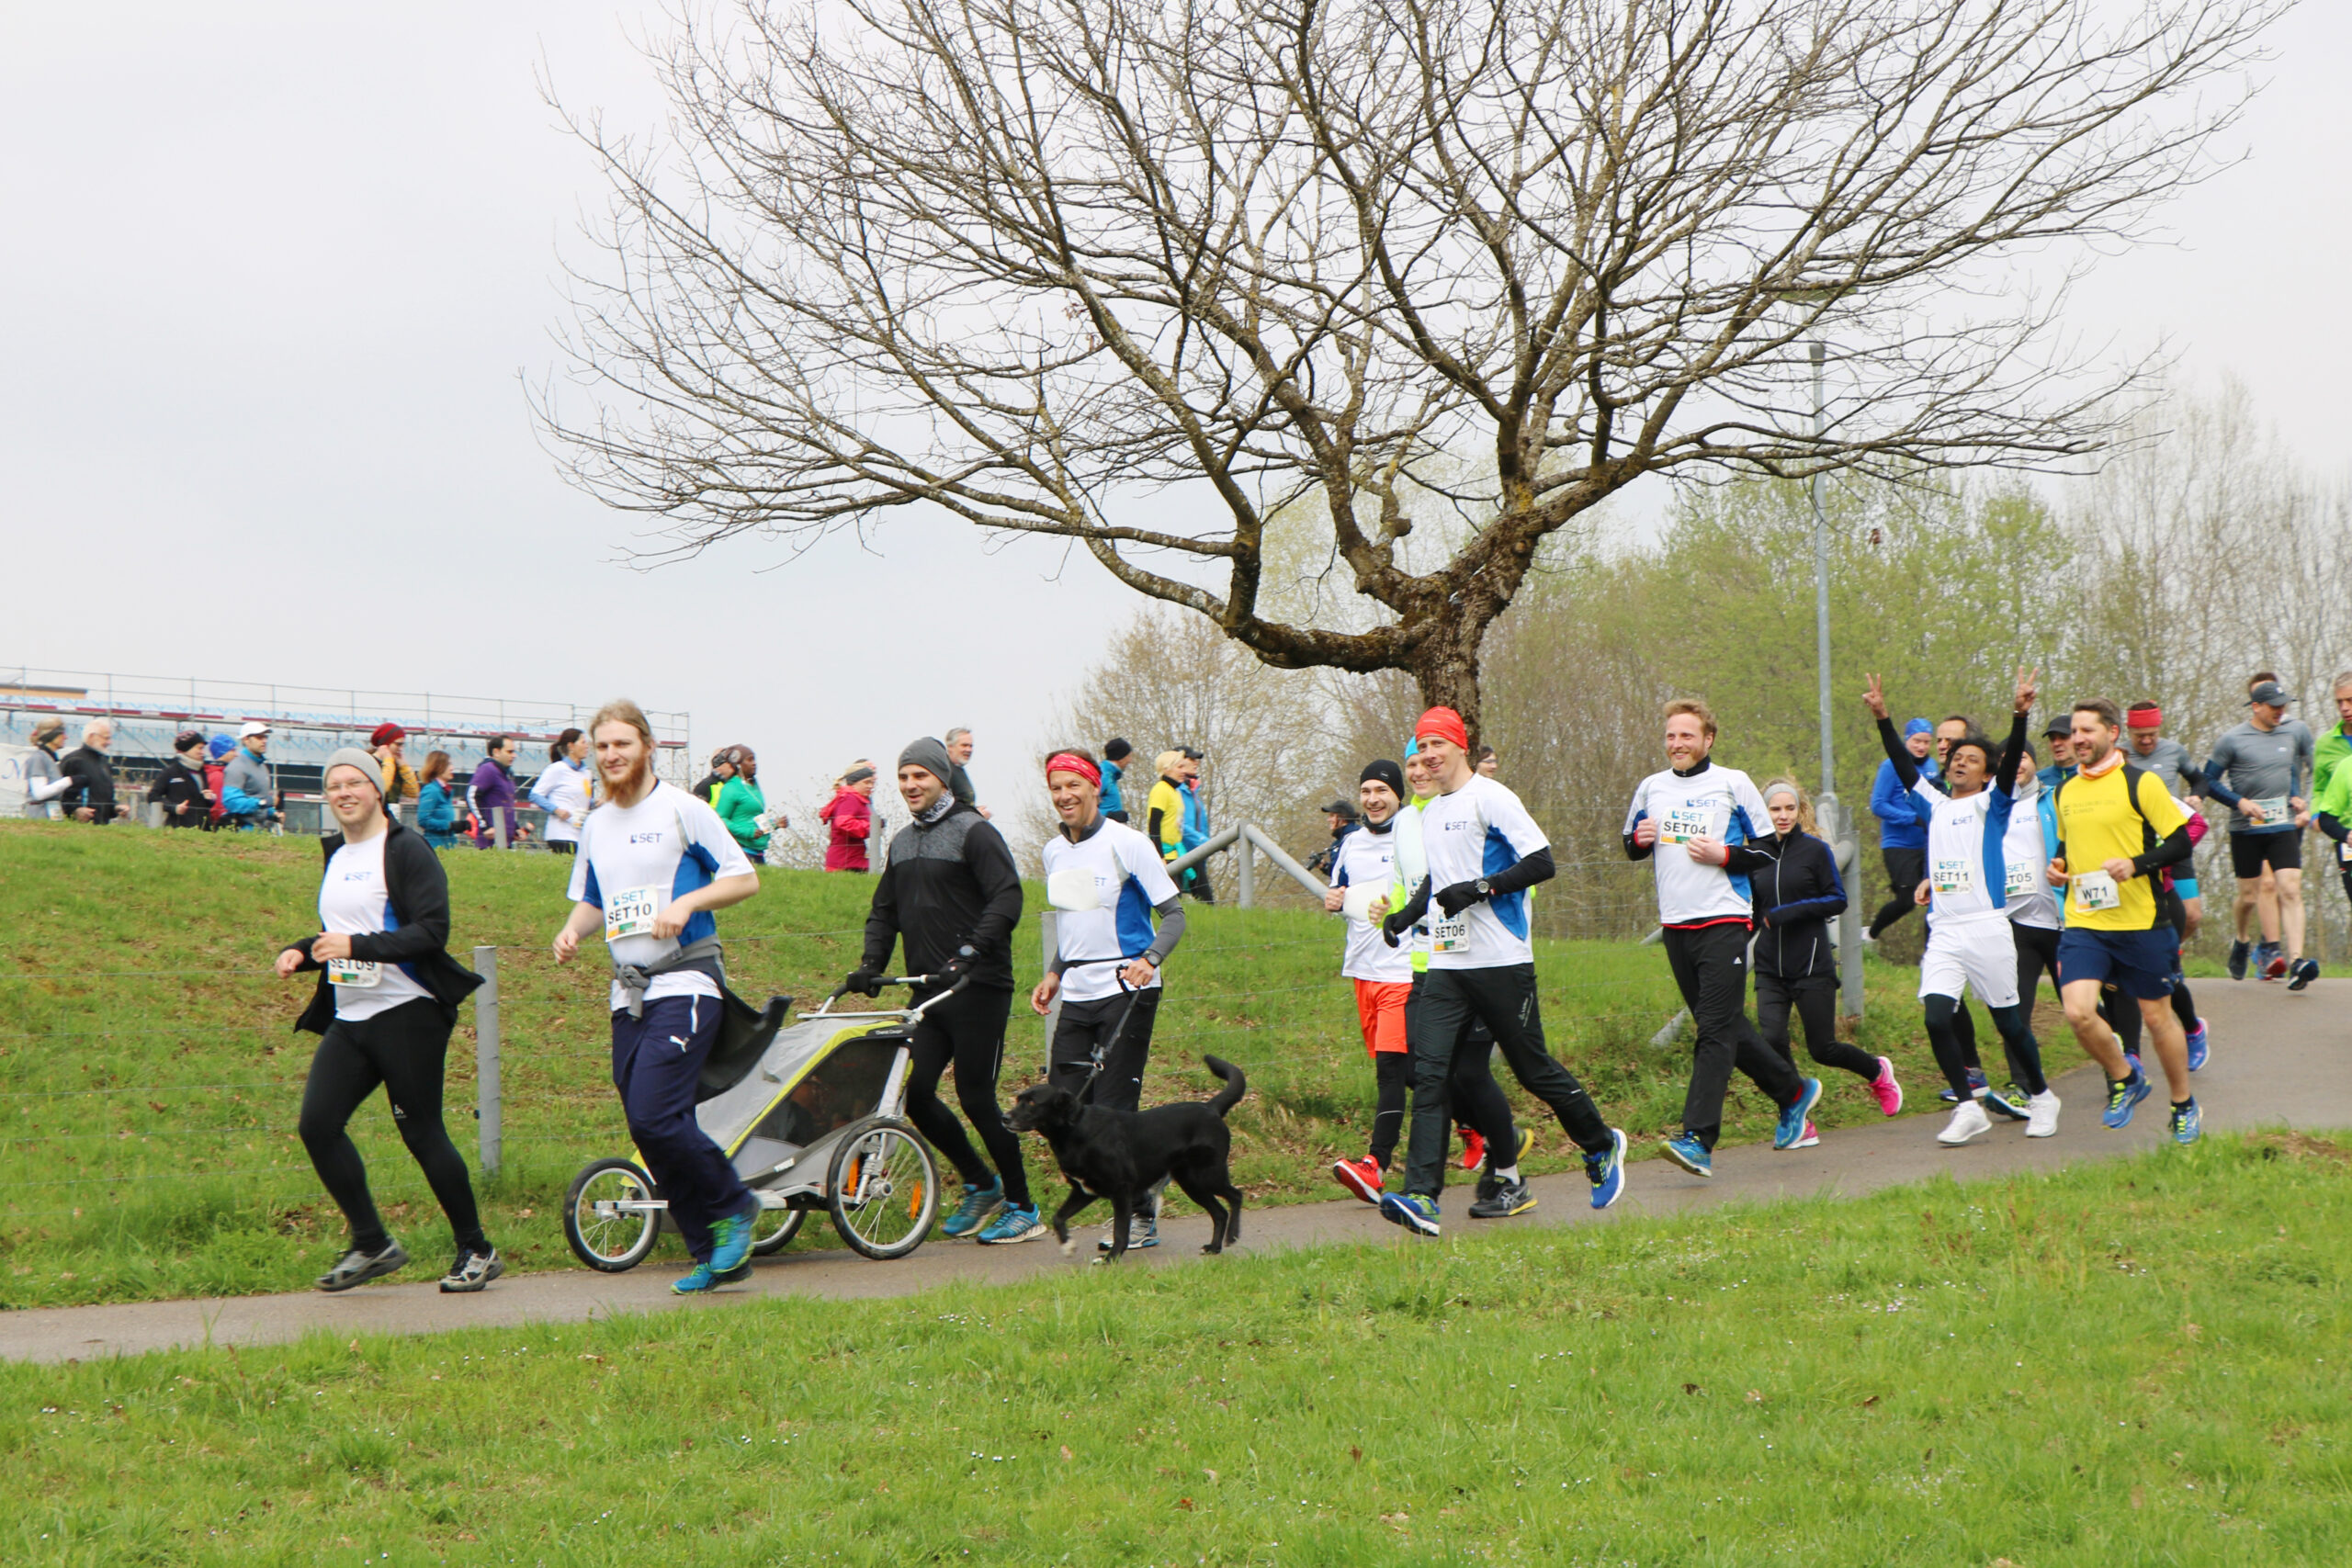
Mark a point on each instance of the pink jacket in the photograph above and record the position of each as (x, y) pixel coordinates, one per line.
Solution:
(851, 817)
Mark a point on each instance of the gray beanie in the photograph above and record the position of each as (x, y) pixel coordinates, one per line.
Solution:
(352, 756)
(931, 756)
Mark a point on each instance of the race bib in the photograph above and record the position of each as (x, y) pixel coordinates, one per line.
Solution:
(2344, 852)
(2017, 880)
(1072, 889)
(764, 822)
(2267, 813)
(630, 912)
(1683, 823)
(2095, 890)
(1450, 935)
(1356, 902)
(353, 972)
(1952, 876)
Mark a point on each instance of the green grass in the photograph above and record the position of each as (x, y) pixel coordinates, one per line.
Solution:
(2135, 1361)
(148, 1080)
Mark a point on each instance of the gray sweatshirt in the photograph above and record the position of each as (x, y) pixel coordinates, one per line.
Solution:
(2249, 763)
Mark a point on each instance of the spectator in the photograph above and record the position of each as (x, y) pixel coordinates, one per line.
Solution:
(45, 782)
(1196, 822)
(90, 794)
(744, 806)
(1487, 763)
(849, 816)
(1164, 810)
(722, 767)
(216, 769)
(493, 793)
(1115, 751)
(436, 814)
(245, 789)
(563, 791)
(400, 780)
(1344, 819)
(180, 790)
(1902, 828)
(960, 752)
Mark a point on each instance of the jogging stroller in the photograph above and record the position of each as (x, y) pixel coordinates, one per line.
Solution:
(812, 1116)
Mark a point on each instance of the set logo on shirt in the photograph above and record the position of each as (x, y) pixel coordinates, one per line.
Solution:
(653, 838)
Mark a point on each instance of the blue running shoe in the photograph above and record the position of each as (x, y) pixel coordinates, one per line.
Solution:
(1975, 1082)
(2239, 953)
(1015, 1222)
(1417, 1211)
(2199, 1047)
(1607, 1172)
(2188, 1123)
(704, 1278)
(2304, 972)
(1793, 1115)
(1688, 1152)
(730, 1243)
(2009, 1102)
(979, 1203)
(2123, 1098)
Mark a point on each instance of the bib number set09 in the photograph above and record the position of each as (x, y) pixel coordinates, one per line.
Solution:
(358, 973)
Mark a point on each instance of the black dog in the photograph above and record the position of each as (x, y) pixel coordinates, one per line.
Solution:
(1121, 1154)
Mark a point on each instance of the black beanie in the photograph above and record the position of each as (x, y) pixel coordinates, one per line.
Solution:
(1387, 772)
(1116, 749)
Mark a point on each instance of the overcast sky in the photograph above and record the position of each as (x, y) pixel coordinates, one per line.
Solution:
(274, 276)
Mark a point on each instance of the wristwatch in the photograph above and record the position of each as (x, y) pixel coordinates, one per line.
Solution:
(1484, 889)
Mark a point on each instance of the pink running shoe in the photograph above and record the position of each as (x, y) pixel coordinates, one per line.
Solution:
(1889, 1092)
(1809, 1138)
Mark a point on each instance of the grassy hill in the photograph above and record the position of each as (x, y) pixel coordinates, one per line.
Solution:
(149, 1076)
(2129, 1361)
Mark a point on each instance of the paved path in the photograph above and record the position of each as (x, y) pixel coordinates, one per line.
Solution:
(2277, 1059)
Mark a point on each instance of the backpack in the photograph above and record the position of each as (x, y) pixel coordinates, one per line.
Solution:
(2170, 907)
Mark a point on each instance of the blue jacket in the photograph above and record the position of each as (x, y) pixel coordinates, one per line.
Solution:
(1903, 817)
(1111, 801)
(436, 815)
(1196, 818)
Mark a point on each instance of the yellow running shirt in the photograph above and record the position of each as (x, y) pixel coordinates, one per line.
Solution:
(2096, 824)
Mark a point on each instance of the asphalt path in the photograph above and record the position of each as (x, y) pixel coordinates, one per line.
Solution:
(2279, 1059)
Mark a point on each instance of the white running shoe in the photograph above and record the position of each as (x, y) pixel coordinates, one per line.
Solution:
(1967, 1121)
(2041, 1115)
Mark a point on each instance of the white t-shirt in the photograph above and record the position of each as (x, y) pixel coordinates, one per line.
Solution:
(353, 901)
(1127, 882)
(1366, 865)
(1967, 868)
(1479, 830)
(1717, 802)
(2024, 857)
(633, 859)
(564, 785)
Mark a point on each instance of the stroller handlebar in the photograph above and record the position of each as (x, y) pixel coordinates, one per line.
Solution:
(910, 1014)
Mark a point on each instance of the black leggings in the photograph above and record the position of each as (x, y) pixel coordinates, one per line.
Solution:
(2122, 1014)
(967, 1031)
(2024, 1052)
(1814, 999)
(2037, 956)
(1710, 965)
(1905, 869)
(1473, 1098)
(406, 1051)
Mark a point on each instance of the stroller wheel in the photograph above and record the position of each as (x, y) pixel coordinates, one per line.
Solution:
(603, 1234)
(774, 1230)
(882, 1188)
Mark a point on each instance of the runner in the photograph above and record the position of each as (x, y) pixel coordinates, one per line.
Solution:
(1903, 832)
(2265, 762)
(950, 894)
(654, 864)
(2116, 828)
(1105, 882)
(1970, 944)
(1484, 851)
(2061, 737)
(1698, 811)
(1364, 872)
(2334, 747)
(2035, 919)
(386, 1000)
(1792, 877)
(2159, 753)
(2332, 811)
(563, 790)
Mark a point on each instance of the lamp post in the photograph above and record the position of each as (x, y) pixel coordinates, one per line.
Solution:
(1821, 576)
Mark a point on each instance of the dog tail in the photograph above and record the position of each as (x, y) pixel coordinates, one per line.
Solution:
(1235, 1086)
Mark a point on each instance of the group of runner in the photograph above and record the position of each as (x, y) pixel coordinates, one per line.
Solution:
(2077, 871)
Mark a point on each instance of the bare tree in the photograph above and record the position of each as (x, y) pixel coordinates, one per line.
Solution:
(1040, 262)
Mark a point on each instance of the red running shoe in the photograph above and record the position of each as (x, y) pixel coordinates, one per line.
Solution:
(1361, 1177)
(1474, 1150)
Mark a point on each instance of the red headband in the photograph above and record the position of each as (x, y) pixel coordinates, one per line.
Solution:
(1070, 762)
(1443, 724)
(2146, 716)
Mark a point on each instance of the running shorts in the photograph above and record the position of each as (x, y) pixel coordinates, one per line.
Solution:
(1970, 952)
(1380, 1007)
(2281, 849)
(2141, 963)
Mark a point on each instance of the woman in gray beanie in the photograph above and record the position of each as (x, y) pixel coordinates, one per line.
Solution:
(386, 1000)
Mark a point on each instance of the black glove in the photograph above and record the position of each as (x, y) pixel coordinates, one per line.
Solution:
(961, 964)
(864, 982)
(1398, 922)
(1458, 897)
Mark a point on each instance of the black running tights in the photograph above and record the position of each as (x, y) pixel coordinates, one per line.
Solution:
(966, 1032)
(2017, 1037)
(2122, 1014)
(405, 1050)
(1815, 1001)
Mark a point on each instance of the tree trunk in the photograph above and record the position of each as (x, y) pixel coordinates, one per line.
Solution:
(1445, 667)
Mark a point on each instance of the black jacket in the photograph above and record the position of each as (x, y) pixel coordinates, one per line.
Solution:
(93, 782)
(1796, 892)
(947, 884)
(419, 891)
(182, 784)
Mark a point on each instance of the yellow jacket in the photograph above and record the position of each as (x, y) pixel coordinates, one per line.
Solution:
(1164, 817)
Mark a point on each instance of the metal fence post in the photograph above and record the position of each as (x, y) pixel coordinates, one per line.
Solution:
(1244, 881)
(486, 1085)
(1846, 853)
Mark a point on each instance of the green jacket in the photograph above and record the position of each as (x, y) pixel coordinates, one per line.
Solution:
(739, 805)
(2332, 747)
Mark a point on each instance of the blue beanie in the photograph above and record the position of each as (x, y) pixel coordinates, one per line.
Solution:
(1917, 727)
(219, 747)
